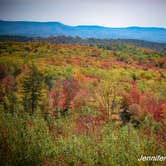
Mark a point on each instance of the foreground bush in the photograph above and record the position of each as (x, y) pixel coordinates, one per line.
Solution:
(26, 140)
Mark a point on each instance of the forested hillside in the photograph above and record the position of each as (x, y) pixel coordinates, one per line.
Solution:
(74, 104)
(109, 44)
(47, 29)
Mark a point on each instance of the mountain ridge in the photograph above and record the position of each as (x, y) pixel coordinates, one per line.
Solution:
(87, 25)
(47, 29)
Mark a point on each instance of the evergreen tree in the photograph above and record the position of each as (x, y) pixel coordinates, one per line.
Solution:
(32, 85)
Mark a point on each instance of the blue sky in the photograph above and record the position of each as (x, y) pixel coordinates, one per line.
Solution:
(111, 13)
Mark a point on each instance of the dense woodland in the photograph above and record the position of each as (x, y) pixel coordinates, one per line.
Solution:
(109, 44)
(74, 104)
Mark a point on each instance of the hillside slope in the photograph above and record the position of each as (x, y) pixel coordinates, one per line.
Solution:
(45, 29)
(108, 44)
(70, 104)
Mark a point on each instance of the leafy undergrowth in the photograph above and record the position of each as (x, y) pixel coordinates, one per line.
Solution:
(80, 105)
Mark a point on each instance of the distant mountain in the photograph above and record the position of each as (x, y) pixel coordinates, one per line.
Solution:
(46, 29)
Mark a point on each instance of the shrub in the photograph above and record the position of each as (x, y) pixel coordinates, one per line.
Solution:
(24, 140)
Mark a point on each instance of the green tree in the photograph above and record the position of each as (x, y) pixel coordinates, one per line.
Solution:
(32, 86)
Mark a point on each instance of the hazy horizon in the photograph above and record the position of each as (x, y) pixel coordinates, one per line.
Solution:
(84, 24)
(107, 13)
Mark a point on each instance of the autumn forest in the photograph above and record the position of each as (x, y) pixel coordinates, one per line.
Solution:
(81, 104)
